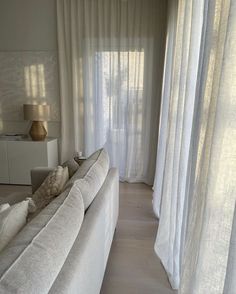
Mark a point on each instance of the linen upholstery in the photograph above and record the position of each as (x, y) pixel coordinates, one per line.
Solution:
(33, 259)
(91, 175)
(85, 166)
(12, 220)
(83, 270)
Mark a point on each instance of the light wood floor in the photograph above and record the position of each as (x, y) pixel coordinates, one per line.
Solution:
(133, 267)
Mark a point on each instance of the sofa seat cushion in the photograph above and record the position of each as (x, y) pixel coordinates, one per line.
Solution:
(91, 175)
(33, 259)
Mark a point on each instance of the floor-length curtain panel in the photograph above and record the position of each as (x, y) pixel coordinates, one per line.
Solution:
(209, 255)
(177, 112)
(196, 235)
(111, 60)
(166, 90)
(70, 80)
(230, 278)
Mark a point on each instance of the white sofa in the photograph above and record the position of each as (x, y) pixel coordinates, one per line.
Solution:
(63, 250)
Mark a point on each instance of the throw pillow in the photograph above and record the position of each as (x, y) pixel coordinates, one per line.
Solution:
(51, 187)
(72, 166)
(4, 207)
(64, 179)
(12, 221)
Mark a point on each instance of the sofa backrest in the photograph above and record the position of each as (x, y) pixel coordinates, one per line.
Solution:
(32, 260)
(91, 175)
(85, 265)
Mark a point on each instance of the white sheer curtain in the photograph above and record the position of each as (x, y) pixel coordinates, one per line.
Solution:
(111, 58)
(195, 188)
(166, 95)
(230, 278)
(213, 185)
(172, 175)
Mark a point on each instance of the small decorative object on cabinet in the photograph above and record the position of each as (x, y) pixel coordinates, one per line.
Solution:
(18, 157)
(79, 158)
(37, 113)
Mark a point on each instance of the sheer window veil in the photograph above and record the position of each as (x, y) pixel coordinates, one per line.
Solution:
(111, 58)
(195, 191)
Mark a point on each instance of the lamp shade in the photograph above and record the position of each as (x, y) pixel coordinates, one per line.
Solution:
(36, 112)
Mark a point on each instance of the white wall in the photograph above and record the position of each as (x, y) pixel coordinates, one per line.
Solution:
(28, 62)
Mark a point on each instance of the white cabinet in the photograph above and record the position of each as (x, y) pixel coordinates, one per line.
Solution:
(18, 157)
(4, 175)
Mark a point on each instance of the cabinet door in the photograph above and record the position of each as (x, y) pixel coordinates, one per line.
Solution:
(4, 175)
(22, 157)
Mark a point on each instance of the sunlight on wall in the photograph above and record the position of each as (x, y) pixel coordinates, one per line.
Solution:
(35, 81)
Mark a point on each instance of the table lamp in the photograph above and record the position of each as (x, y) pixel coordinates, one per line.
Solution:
(37, 113)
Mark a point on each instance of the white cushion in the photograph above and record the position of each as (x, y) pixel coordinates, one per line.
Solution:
(12, 220)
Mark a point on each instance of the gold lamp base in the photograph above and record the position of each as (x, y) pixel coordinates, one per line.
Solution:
(38, 131)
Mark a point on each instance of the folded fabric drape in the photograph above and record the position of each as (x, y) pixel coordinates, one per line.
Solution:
(185, 21)
(194, 192)
(111, 56)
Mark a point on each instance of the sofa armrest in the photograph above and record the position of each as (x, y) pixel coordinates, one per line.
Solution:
(38, 175)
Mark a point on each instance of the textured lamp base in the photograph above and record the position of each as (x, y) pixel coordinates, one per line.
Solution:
(38, 131)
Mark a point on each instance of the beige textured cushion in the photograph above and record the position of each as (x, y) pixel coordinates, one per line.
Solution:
(12, 220)
(64, 178)
(50, 188)
(91, 175)
(72, 166)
